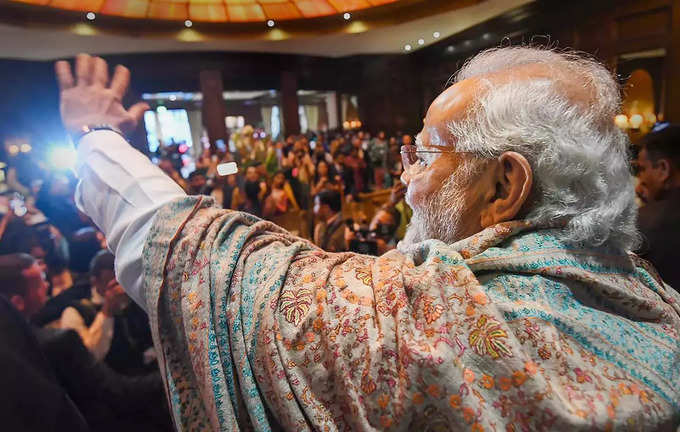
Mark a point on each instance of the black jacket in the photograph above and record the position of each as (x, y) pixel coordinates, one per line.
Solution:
(33, 399)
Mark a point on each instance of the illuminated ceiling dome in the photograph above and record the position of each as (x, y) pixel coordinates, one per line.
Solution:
(214, 10)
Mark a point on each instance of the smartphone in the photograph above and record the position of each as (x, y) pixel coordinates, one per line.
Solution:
(227, 168)
(18, 205)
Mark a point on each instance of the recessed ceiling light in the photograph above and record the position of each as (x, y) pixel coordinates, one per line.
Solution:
(271, 23)
(421, 41)
(487, 36)
(188, 23)
(91, 16)
(407, 47)
(347, 16)
(468, 43)
(450, 48)
(436, 35)
(172, 97)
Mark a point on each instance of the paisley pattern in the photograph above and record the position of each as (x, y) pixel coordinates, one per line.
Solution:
(509, 329)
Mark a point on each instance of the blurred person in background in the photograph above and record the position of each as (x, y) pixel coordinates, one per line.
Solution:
(325, 179)
(329, 232)
(33, 398)
(198, 183)
(107, 400)
(255, 189)
(658, 172)
(93, 317)
(167, 166)
(377, 152)
(281, 198)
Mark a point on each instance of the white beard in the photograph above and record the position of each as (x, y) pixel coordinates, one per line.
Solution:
(440, 216)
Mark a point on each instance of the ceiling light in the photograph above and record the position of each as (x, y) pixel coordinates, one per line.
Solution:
(172, 97)
(188, 23)
(407, 47)
(91, 16)
(450, 48)
(487, 36)
(421, 41)
(468, 43)
(436, 35)
(347, 16)
(271, 23)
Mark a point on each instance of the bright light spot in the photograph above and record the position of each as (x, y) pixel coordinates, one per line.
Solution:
(487, 36)
(421, 41)
(468, 43)
(13, 149)
(347, 16)
(25, 148)
(408, 47)
(436, 35)
(636, 121)
(172, 97)
(450, 48)
(621, 121)
(188, 23)
(161, 109)
(62, 158)
(651, 118)
(91, 16)
(271, 23)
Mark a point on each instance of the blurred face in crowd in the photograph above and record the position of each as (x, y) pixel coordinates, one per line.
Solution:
(356, 142)
(231, 180)
(197, 182)
(35, 294)
(279, 180)
(455, 195)
(406, 140)
(381, 135)
(251, 174)
(652, 177)
(322, 169)
(101, 281)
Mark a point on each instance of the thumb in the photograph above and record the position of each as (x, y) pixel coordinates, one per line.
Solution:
(137, 110)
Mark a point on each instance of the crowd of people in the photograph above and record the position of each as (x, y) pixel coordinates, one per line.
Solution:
(79, 345)
(318, 177)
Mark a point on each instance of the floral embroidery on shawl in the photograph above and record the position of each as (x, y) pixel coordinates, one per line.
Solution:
(508, 329)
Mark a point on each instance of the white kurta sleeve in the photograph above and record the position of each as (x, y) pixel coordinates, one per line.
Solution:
(121, 190)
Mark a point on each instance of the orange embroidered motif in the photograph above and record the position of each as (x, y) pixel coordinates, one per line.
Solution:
(487, 338)
(364, 275)
(295, 304)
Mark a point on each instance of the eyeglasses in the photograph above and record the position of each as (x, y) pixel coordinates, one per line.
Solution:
(410, 156)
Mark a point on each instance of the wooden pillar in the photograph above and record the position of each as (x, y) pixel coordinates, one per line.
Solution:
(673, 66)
(289, 103)
(213, 109)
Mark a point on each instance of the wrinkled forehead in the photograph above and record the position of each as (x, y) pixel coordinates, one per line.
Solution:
(451, 105)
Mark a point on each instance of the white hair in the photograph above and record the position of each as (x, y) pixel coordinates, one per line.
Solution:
(579, 157)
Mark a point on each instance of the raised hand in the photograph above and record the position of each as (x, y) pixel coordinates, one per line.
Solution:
(90, 99)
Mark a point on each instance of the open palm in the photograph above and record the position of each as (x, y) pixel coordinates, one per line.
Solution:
(90, 99)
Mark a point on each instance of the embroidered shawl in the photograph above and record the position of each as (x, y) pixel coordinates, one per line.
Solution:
(509, 329)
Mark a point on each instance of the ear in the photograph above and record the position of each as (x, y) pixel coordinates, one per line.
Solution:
(18, 302)
(514, 179)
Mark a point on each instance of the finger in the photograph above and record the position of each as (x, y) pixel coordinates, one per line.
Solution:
(84, 69)
(137, 110)
(120, 81)
(101, 72)
(64, 76)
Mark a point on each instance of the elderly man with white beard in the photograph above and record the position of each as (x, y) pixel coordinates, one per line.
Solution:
(512, 304)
